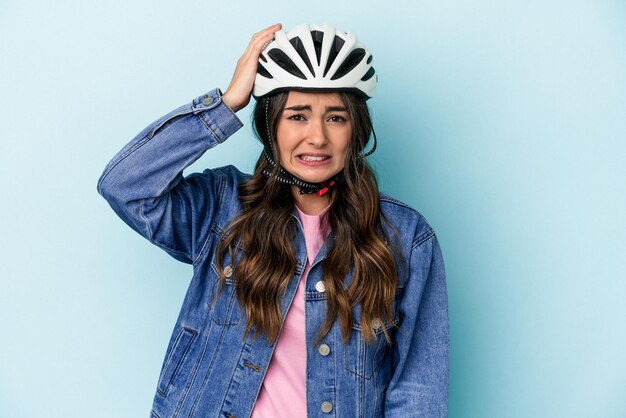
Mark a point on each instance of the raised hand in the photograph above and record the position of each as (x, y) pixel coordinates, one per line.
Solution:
(237, 94)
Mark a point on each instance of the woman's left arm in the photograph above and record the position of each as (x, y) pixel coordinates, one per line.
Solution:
(420, 353)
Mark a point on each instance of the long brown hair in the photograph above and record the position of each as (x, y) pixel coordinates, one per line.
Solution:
(265, 229)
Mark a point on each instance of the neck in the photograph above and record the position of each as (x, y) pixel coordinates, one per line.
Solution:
(311, 204)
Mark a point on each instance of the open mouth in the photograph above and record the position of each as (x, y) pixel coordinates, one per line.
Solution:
(313, 158)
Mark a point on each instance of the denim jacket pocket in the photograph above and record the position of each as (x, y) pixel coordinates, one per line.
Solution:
(176, 360)
(226, 310)
(361, 358)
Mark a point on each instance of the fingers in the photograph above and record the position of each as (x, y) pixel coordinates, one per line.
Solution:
(260, 39)
(270, 29)
(237, 94)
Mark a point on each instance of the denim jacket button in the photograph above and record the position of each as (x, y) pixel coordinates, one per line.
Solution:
(324, 350)
(327, 407)
(228, 271)
(320, 287)
(207, 100)
(377, 323)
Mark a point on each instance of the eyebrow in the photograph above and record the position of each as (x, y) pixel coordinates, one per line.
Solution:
(299, 108)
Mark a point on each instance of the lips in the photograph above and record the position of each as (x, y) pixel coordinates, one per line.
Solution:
(314, 159)
(307, 157)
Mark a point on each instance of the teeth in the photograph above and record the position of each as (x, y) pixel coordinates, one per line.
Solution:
(312, 158)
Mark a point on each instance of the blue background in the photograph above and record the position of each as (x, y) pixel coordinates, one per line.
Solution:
(502, 122)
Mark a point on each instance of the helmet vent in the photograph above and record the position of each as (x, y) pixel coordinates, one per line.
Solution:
(318, 38)
(285, 62)
(332, 54)
(368, 74)
(261, 70)
(352, 60)
(296, 42)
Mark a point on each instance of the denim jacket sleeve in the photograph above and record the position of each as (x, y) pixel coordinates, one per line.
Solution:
(420, 355)
(145, 186)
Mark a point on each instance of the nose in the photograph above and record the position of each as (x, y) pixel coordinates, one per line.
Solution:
(316, 134)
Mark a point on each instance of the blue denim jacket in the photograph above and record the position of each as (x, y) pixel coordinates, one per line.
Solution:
(210, 369)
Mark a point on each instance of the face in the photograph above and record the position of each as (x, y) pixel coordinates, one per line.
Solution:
(313, 135)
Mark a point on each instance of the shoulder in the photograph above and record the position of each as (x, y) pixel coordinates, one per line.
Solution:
(229, 173)
(225, 183)
(409, 223)
(225, 179)
(416, 237)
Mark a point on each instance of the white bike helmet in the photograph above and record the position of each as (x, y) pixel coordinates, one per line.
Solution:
(315, 57)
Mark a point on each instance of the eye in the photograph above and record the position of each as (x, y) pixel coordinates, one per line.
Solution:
(297, 117)
(337, 118)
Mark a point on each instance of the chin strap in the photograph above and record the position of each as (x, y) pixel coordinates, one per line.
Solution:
(285, 177)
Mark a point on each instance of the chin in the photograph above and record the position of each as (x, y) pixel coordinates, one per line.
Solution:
(317, 178)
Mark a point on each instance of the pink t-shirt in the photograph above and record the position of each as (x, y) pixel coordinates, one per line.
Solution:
(283, 391)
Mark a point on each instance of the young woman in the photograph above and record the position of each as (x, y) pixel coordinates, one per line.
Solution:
(312, 294)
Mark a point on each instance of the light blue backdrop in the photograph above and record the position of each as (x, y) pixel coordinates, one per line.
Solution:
(503, 122)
